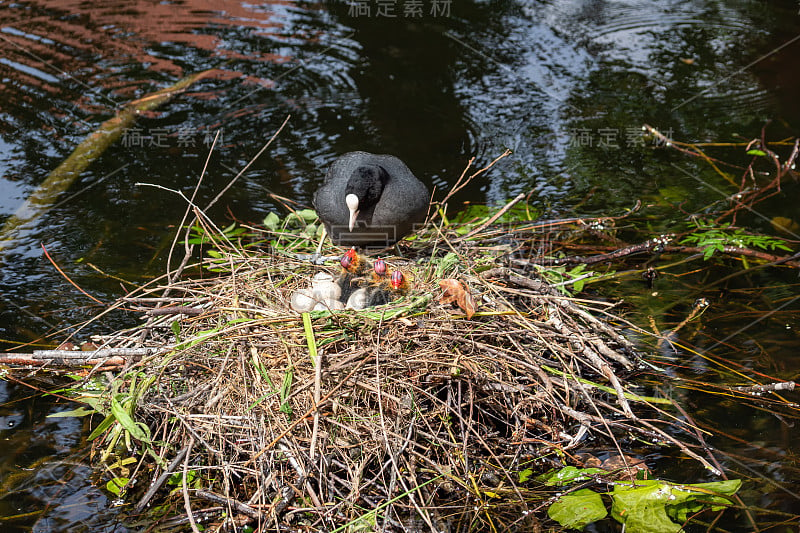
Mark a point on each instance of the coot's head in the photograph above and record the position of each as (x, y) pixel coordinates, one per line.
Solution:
(364, 189)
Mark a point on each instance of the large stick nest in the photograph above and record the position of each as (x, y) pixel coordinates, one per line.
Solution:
(410, 416)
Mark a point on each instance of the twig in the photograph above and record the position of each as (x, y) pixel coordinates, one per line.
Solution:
(160, 480)
(188, 247)
(232, 503)
(247, 166)
(312, 409)
(462, 182)
(70, 358)
(316, 360)
(769, 387)
(494, 217)
(187, 504)
(176, 310)
(64, 275)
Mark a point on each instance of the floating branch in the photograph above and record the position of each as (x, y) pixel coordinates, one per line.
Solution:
(74, 358)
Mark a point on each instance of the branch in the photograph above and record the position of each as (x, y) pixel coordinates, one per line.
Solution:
(70, 358)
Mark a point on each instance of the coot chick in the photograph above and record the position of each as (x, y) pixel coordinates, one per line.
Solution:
(370, 200)
(352, 276)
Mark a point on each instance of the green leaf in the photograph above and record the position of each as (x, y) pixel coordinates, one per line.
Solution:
(445, 264)
(201, 336)
(578, 509)
(286, 388)
(519, 213)
(176, 479)
(577, 271)
(707, 494)
(713, 239)
(121, 463)
(117, 485)
(569, 474)
(95, 401)
(80, 411)
(102, 427)
(649, 505)
(578, 285)
(125, 420)
(756, 151)
(308, 215)
(643, 509)
(473, 215)
(272, 221)
(525, 475)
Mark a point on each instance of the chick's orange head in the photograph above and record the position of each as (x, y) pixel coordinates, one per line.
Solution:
(350, 259)
(398, 280)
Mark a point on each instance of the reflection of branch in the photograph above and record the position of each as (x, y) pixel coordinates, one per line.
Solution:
(744, 199)
(692, 150)
(658, 246)
(59, 180)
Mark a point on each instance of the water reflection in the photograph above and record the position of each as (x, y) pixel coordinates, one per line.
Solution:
(46, 481)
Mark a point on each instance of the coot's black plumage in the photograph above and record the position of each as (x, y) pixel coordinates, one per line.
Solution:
(390, 200)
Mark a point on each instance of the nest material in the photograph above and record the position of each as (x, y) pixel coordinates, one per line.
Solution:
(406, 415)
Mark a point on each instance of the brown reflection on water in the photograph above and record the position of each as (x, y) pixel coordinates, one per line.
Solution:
(92, 44)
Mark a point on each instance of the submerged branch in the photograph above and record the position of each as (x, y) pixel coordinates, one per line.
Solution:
(60, 179)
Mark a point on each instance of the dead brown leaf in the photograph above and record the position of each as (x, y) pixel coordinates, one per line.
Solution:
(455, 291)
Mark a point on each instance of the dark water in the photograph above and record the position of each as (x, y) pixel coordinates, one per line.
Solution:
(565, 85)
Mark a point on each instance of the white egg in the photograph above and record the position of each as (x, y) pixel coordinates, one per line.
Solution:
(302, 300)
(327, 290)
(357, 300)
(321, 277)
(329, 305)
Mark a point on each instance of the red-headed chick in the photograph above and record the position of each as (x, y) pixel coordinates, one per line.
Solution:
(351, 262)
(399, 282)
(352, 269)
(379, 271)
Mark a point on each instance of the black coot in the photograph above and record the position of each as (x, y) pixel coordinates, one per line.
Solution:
(370, 200)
